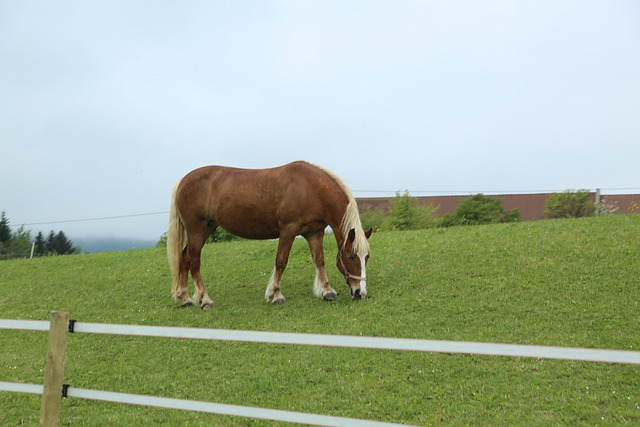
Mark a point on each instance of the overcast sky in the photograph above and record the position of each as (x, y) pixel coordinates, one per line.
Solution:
(105, 105)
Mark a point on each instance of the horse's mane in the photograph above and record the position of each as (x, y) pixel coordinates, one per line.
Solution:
(351, 217)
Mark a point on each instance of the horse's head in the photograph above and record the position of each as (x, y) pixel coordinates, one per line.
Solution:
(352, 261)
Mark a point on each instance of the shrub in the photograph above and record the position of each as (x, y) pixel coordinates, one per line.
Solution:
(220, 235)
(569, 204)
(603, 208)
(406, 214)
(480, 209)
(428, 216)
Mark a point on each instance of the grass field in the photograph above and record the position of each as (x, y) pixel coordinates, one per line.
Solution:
(565, 282)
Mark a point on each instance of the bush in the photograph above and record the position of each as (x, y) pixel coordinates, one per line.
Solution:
(569, 204)
(603, 208)
(220, 235)
(480, 209)
(406, 214)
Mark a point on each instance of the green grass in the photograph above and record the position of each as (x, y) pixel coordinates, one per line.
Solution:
(564, 282)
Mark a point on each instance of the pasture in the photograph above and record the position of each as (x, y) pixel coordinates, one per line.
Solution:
(572, 283)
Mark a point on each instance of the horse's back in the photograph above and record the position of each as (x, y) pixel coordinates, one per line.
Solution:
(252, 203)
(271, 182)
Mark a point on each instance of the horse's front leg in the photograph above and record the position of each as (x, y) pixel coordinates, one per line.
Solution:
(321, 287)
(273, 292)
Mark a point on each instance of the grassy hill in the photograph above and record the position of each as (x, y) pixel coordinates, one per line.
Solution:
(564, 282)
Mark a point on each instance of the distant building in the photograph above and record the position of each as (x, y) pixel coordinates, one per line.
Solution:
(531, 206)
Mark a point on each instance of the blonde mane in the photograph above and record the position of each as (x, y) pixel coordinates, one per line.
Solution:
(351, 217)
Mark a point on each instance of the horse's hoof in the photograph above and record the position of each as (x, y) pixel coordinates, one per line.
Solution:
(279, 301)
(187, 304)
(207, 306)
(330, 296)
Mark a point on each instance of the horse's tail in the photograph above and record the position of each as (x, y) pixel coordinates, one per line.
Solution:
(176, 238)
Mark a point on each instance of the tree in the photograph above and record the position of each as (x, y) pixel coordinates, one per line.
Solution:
(480, 209)
(5, 231)
(569, 204)
(64, 246)
(59, 244)
(51, 243)
(20, 244)
(40, 245)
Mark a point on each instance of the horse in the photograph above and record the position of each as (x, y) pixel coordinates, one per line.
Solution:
(296, 199)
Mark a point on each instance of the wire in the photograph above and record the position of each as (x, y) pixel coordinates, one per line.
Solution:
(91, 219)
(501, 192)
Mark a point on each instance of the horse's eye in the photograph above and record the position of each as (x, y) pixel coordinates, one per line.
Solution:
(351, 257)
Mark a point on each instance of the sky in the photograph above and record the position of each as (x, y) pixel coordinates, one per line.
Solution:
(105, 105)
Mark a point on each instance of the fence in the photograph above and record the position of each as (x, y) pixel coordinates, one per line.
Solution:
(53, 388)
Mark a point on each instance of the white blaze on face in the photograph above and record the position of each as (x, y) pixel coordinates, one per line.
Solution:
(363, 274)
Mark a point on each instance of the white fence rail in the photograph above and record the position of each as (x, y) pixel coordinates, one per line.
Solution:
(207, 407)
(489, 349)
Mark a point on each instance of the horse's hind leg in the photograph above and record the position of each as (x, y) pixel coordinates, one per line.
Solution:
(321, 287)
(183, 281)
(194, 249)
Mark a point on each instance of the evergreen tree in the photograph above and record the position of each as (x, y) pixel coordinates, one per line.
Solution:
(41, 245)
(63, 245)
(5, 231)
(58, 244)
(18, 244)
(51, 243)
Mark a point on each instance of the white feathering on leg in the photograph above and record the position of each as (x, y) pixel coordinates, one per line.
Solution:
(268, 294)
(317, 287)
(363, 274)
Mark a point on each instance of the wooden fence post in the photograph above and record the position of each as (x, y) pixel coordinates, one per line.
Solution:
(54, 369)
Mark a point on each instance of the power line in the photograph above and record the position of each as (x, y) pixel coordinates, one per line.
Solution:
(504, 192)
(91, 219)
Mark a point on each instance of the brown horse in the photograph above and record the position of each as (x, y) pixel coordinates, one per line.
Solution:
(297, 199)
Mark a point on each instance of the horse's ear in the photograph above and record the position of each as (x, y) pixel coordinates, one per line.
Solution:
(352, 235)
(367, 233)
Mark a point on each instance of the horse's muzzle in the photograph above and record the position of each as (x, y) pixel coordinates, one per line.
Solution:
(356, 294)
